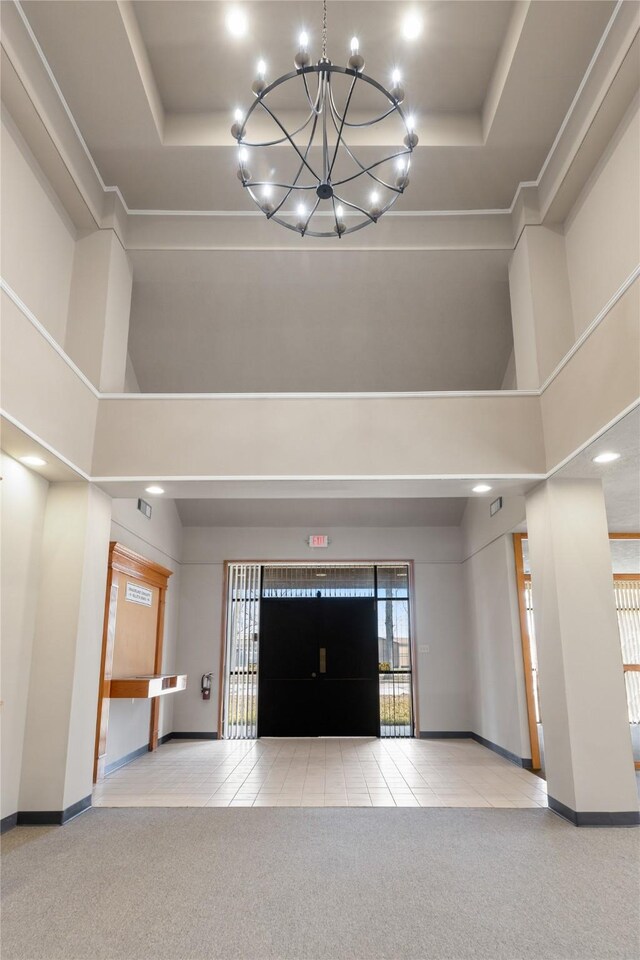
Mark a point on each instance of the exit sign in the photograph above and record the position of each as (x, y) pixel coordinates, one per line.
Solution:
(318, 540)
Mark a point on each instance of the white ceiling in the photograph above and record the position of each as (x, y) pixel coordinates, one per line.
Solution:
(253, 321)
(153, 92)
(621, 478)
(322, 513)
(187, 44)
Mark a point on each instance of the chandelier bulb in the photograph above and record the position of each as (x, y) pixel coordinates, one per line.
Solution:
(302, 217)
(402, 179)
(355, 62)
(243, 156)
(302, 58)
(397, 90)
(375, 210)
(236, 126)
(411, 139)
(259, 84)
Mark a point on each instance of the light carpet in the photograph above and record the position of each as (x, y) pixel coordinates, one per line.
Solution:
(320, 884)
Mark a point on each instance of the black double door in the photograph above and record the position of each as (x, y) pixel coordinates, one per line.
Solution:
(318, 672)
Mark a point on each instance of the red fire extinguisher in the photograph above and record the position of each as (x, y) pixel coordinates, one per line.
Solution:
(205, 685)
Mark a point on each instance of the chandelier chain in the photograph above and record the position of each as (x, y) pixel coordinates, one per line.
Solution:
(324, 29)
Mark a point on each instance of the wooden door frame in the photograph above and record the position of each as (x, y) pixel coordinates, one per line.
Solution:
(133, 565)
(521, 580)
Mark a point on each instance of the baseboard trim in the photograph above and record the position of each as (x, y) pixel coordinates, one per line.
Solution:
(8, 823)
(445, 735)
(183, 735)
(123, 761)
(41, 818)
(596, 818)
(164, 739)
(524, 762)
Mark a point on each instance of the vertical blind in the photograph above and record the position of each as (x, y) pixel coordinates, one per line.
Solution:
(628, 606)
(240, 718)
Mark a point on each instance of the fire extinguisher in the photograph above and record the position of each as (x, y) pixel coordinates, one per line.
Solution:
(205, 686)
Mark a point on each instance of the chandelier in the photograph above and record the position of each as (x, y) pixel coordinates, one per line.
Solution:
(294, 159)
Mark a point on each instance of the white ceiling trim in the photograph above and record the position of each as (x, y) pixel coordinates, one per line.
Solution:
(46, 446)
(597, 320)
(42, 330)
(523, 185)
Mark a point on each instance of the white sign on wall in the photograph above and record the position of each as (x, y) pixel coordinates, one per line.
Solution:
(137, 594)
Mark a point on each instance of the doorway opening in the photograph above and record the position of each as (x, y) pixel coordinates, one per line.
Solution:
(317, 650)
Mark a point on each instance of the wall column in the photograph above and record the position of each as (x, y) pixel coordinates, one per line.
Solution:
(588, 756)
(99, 310)
(57, 765)
(541, 310)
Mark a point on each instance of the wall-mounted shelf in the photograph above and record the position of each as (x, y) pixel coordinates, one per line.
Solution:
(144, 688)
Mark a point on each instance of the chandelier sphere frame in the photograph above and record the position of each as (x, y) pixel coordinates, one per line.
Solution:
(323, 115)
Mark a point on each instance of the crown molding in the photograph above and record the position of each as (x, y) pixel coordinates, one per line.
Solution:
(531, 203)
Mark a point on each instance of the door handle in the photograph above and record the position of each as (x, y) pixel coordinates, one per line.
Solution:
(323, 659)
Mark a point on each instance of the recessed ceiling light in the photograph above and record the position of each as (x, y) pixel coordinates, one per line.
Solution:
(320, 574)
(481, 488)
(411, 26)
(606, 457)
(236, 22)
(154, 489)
(33, 461)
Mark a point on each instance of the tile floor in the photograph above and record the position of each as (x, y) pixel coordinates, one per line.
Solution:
(321, 773)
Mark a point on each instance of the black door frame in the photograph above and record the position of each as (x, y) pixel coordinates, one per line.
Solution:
(413, 628)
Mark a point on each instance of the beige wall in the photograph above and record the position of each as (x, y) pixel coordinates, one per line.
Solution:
(158, 539)
(57, 767)
(500, 700)
(500, 709)
(600, 381)
(99, 308)
(444, 672)
(603, 231)
(42, 392)
(38, 239)
(588, 754)
(24, 498)
(319, 437)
